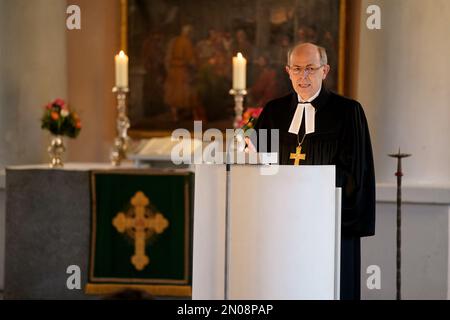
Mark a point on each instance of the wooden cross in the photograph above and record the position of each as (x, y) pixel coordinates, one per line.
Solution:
(140, 227)
(297, 156)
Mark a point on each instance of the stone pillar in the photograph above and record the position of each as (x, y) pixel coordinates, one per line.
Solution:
(33, 71)
(90, 53)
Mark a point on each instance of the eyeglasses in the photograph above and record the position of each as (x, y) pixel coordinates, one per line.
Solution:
(301, 70)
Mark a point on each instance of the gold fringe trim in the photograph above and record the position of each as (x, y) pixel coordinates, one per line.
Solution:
(157, 290)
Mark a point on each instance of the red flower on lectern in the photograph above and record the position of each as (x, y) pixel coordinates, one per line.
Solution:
(249, 118)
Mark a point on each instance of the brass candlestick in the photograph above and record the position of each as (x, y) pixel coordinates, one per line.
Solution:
(119, 151)
(238, 105)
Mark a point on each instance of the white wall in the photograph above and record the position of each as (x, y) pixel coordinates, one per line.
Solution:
(424, 252)
(404, 86)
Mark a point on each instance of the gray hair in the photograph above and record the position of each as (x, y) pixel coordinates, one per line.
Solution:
(322, 54)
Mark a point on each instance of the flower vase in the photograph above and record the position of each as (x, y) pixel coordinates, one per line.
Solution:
(56, 151)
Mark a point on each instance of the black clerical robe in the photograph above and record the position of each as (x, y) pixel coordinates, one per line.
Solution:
(341, 138)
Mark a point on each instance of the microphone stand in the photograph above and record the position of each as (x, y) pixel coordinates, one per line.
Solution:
(228, 163)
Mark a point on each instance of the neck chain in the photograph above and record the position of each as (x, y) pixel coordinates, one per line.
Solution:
(298, 139)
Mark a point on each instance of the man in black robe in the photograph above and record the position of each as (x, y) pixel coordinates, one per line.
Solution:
(319, 127)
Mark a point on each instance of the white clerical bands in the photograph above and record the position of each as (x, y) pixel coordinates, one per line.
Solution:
(298, 116)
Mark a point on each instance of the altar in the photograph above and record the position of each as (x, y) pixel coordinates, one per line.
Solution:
(48, 231)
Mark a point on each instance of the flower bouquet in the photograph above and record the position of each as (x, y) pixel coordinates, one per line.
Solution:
(249, 118)
(60, 121)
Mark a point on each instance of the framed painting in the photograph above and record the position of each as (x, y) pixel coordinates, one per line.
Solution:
(181, 56)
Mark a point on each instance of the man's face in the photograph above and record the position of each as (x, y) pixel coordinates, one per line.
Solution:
(305, 70)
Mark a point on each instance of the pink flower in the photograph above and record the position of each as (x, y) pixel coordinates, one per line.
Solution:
(60, 102)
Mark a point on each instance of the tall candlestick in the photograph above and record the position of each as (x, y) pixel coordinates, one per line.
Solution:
(399, 175)
(239, 70)
(119, 151)
(121, 70)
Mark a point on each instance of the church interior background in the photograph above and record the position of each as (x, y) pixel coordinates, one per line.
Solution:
(400, 73)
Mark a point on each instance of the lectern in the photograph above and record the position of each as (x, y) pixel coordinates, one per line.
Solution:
(282, 235)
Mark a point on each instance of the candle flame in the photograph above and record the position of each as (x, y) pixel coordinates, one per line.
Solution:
(121, 53)
(239, 55)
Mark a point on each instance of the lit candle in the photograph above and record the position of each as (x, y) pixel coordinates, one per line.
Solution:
(121, 70)
(239, 70)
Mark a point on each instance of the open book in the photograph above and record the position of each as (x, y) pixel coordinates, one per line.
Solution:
(161, 148)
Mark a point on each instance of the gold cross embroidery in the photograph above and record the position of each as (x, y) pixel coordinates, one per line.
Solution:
(140, 226)
(297, 156)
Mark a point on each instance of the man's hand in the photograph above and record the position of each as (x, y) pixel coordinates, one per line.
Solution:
(249, 147)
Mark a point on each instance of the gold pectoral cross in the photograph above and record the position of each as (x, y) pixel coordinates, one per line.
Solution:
(297, 156)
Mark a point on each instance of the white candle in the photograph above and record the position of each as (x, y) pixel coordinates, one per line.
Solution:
(239, 70)
(121, 70)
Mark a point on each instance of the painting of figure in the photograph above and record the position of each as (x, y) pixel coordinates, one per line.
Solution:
(181, 56)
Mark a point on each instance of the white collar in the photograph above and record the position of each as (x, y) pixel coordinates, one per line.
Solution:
(310, 99)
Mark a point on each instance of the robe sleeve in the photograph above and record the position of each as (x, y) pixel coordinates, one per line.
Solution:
(356, 175)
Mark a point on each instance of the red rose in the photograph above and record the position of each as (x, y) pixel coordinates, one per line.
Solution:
(256, 112)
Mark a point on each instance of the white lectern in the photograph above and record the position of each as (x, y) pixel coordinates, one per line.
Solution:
(283, 233)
